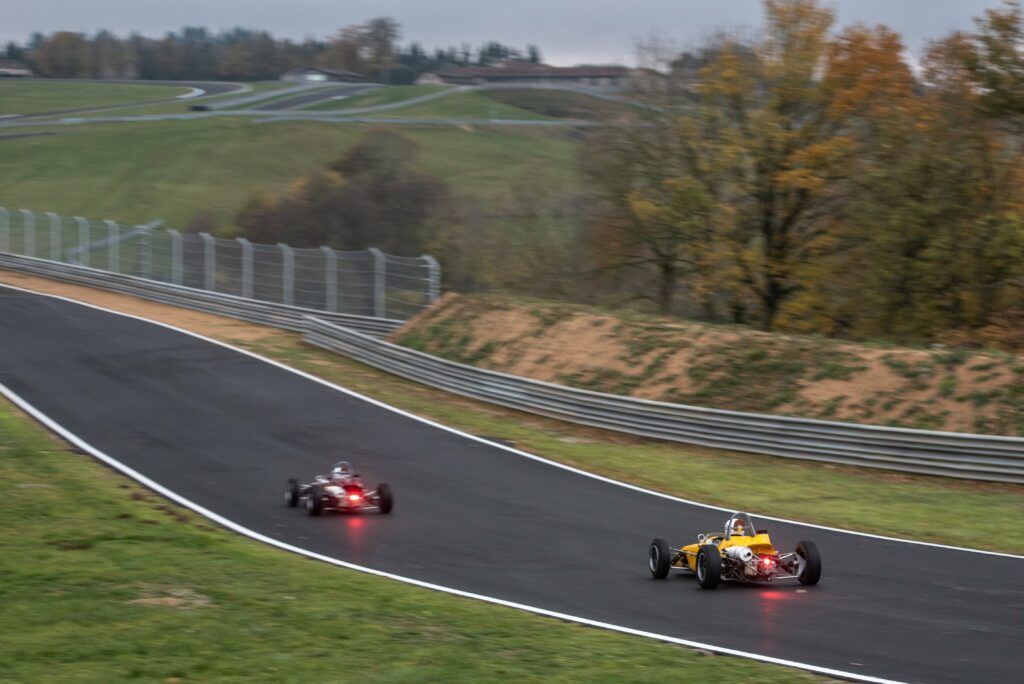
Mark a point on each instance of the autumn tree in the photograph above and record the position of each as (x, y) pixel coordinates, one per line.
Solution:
(652, 215)
(371, 196)
(993, 59)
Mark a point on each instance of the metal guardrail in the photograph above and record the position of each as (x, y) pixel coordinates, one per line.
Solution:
(980, 457)
(254, 311)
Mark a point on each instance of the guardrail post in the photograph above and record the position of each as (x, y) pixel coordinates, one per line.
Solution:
(246, 267)
(379, 274)
(83, 241)
(176, 256)
(209, 262)
(433, 277)
(5, 230)
(113, 246)
(287, 274)
(330, 279)
(28, 227)
(55, 236)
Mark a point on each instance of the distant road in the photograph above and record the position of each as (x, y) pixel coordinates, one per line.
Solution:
(208, 88)
(287, 115)
(318, 95)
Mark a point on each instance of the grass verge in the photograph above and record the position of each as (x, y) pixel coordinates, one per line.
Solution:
(105, 581)
(466, 105)
(377, 97)
(39, 95)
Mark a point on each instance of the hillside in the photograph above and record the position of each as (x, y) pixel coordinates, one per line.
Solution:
(725, 367)
(175, 170)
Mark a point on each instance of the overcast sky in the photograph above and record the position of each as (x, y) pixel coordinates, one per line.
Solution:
(567, 31)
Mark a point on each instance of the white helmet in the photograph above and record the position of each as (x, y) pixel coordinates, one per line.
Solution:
(343, 471)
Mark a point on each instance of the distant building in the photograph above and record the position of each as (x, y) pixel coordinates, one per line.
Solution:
(527, 73)
(429, 79)
(320, 75)
(10, 68)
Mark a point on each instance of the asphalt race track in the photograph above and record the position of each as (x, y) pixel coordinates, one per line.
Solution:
(226, 430)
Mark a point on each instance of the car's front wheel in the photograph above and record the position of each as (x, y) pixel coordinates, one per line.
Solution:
(385, 499)
(811, 572)
(291, 492)
(315, 500)
(658, 559)
(709, 566)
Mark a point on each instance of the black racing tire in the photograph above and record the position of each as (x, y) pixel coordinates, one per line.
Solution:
(315, 500)
(812, 563)
(291, 492)
(659, 559)
(385, 499)
(709, 566)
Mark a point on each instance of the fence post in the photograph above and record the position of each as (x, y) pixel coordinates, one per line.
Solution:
(379, 306)
(145, 252)
(113, 246)
(330, 279)
(246, 267)
(176, 254)
(55, 236)
(28, 227)
(287, 274)
(434, 278)
(83, 241)
(209, 261)
(5, 230)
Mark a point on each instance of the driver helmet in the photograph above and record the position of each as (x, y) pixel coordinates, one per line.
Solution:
(342, 471)
(738, 527)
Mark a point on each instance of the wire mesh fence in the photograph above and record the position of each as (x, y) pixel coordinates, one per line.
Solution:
(365, 283)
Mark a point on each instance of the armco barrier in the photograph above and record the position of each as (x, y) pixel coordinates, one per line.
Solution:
(980, 457)
(255, 311)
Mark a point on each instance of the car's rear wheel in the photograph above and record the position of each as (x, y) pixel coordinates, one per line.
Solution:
(811, 572)
(291, 492)
(385, 499)
(658, 559)
(315, 500)
(709, 566)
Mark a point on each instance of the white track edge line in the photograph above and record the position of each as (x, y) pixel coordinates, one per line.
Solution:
(252, 534)
(513, 450)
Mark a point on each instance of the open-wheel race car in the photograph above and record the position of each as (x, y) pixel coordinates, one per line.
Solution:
(742, 554)
(341, 491)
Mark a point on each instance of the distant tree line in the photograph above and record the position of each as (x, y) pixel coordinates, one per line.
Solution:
(194, 53)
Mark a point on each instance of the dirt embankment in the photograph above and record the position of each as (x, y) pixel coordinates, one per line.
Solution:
(669, 360)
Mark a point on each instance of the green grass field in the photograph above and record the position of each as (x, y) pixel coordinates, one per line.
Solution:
(37, 96)
(135, 172)
(116, 584)
(565, 104)
(466, 105)
(378, 96)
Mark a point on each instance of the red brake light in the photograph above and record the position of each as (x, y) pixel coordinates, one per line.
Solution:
(353, 497)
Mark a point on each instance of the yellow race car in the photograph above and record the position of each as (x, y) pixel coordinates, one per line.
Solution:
(742, 553)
